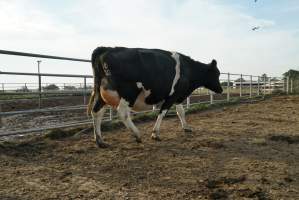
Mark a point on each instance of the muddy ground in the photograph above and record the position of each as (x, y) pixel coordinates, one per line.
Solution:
(249, 151)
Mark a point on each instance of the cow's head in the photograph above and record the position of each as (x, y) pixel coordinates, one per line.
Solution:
(212, 79)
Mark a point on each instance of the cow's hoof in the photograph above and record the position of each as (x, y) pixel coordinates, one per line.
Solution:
(102, 145)
(156, 138)
(188, 130)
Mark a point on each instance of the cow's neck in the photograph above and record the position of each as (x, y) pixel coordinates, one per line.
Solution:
(198, 75)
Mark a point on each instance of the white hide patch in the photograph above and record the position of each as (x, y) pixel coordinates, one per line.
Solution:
(159, 121)
(140, 101)
(176, 57)
(145, 92)
(123, 104)
(124, 114)
(139, 85)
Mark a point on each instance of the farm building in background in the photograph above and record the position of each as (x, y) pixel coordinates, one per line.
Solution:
(246, 83)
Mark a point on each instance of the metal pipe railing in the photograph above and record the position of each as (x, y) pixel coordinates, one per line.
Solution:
(291, 86)
(17, 53)
(258, 86)
(79, 92)
(250, 89)
(228, 87)
(241, 80)
(46, 74)
(288, 79)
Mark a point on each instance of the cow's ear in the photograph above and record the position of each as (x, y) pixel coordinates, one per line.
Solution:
(214, 63)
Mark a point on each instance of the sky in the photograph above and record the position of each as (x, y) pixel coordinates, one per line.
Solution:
(202, 29)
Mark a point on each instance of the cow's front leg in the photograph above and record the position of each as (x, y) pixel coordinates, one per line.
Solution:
(156, 130)
(181, 114)
(97, 120)
(124, 114)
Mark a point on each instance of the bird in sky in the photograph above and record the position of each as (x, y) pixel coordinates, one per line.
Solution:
(255, 28)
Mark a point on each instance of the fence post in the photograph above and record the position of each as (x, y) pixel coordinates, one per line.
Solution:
(250, 89)
(264, 86)
(288, 79)
(228, 87)
(3, 87)
(211, 97)
(1, 115)
(154, 107)
(270, 88)
(241, 85)
(283, 86)
(39, 91)
(291, 86)
(188, 102)
(258, 86)
(84, 91)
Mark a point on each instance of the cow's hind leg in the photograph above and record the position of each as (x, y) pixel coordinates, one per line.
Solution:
(156, 130)
(97, 113)
(164, 108)
(181, 114)
(124, 114)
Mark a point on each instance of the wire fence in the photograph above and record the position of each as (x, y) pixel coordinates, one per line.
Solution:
(35, 107)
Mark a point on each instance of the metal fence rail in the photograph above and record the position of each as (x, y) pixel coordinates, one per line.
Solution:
(236, 86)
(17, 53)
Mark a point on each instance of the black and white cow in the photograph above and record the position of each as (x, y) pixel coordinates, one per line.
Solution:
(135, 79)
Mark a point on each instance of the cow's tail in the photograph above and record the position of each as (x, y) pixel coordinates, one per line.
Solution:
(98, 74)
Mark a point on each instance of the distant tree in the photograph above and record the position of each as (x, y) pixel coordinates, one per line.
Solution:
(264, 77)
(23, 89)
(240, 79)
(51, 87)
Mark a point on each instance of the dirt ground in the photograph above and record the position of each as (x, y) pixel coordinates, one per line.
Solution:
(249, 151)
